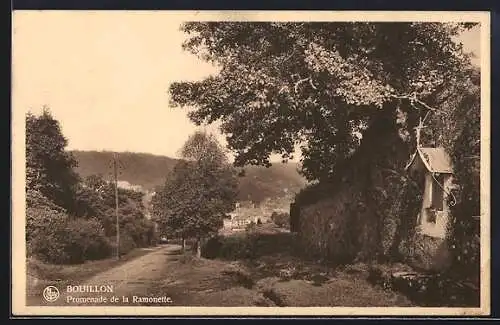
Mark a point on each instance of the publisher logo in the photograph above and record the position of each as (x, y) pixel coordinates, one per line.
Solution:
(50, 293)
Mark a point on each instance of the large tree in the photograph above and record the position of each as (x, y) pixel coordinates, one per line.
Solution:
(315, 84)
(348, 93)
(200, 191)
(49, 167)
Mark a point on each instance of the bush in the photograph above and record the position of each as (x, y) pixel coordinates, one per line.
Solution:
(35, 199)
(251, 226)
(45, 233)
(37, 219)
(39, 211)
(89, 241)
(127, 244)
(212, 247)
(281, 219)
(232, 247)
(56, 238)
(140, 230)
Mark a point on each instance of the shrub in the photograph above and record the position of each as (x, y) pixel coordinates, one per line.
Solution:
(56, 238)
(35, 198)
(88, 240)
(281, 219)
(127, 243)
(212, 247)
(251, 226)
(232, 247)
(141, 231)
(46, 233)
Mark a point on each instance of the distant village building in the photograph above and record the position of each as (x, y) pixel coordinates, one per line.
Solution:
(127, 186)
(245, 213)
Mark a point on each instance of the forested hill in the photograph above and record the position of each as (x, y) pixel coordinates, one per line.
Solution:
(149, 171)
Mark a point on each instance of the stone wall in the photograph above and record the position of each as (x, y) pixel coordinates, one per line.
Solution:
(338, 226)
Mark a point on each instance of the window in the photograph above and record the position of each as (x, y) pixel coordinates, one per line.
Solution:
(437, 192)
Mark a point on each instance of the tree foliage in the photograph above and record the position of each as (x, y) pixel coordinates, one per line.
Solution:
(99, 201)
(60, 239)
(49, 168)
(464, 136)
(318, 85)
(69, 219)
(349, 94)
(199, 192)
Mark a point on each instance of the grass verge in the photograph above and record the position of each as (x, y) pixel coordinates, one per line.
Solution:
(41, 274)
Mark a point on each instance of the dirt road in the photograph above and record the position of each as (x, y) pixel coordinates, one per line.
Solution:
(164, 277)
(123, 285)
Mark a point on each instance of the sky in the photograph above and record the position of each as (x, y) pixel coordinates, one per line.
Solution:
(105, 77)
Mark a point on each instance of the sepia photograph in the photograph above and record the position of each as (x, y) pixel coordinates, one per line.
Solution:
(250, 163)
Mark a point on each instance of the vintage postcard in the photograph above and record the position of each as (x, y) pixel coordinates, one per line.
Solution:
(250, 163)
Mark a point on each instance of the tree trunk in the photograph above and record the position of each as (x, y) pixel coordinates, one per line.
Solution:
(394, 252)
(375, 148)
(358, 181)
(198, 248)
(370, 248)
(401, 228)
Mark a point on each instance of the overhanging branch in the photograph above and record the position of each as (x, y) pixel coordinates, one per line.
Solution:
(297, 84)
(413, 99)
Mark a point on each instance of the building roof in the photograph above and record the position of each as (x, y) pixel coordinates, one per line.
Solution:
(436, 160)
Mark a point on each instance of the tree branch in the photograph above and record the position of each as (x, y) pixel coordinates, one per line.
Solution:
(312, 83)
(283, 89)
(413, 98)
(297, 84)
(286, 58)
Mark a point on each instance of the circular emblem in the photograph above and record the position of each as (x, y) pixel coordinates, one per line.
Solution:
(51, 293)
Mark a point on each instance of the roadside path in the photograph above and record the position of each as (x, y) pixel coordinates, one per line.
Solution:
(125, 281)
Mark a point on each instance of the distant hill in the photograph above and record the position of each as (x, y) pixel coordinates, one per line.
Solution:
(149, 171)
(141, 169)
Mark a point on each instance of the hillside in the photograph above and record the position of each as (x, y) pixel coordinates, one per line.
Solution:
(149, 171)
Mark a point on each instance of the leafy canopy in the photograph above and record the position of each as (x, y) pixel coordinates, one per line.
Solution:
(316, 85)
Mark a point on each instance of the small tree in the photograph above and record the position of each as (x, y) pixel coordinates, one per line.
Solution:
(200, 191)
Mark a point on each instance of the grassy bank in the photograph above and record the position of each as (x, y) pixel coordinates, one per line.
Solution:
(266, 271)
(190, 281)
(40, 274)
